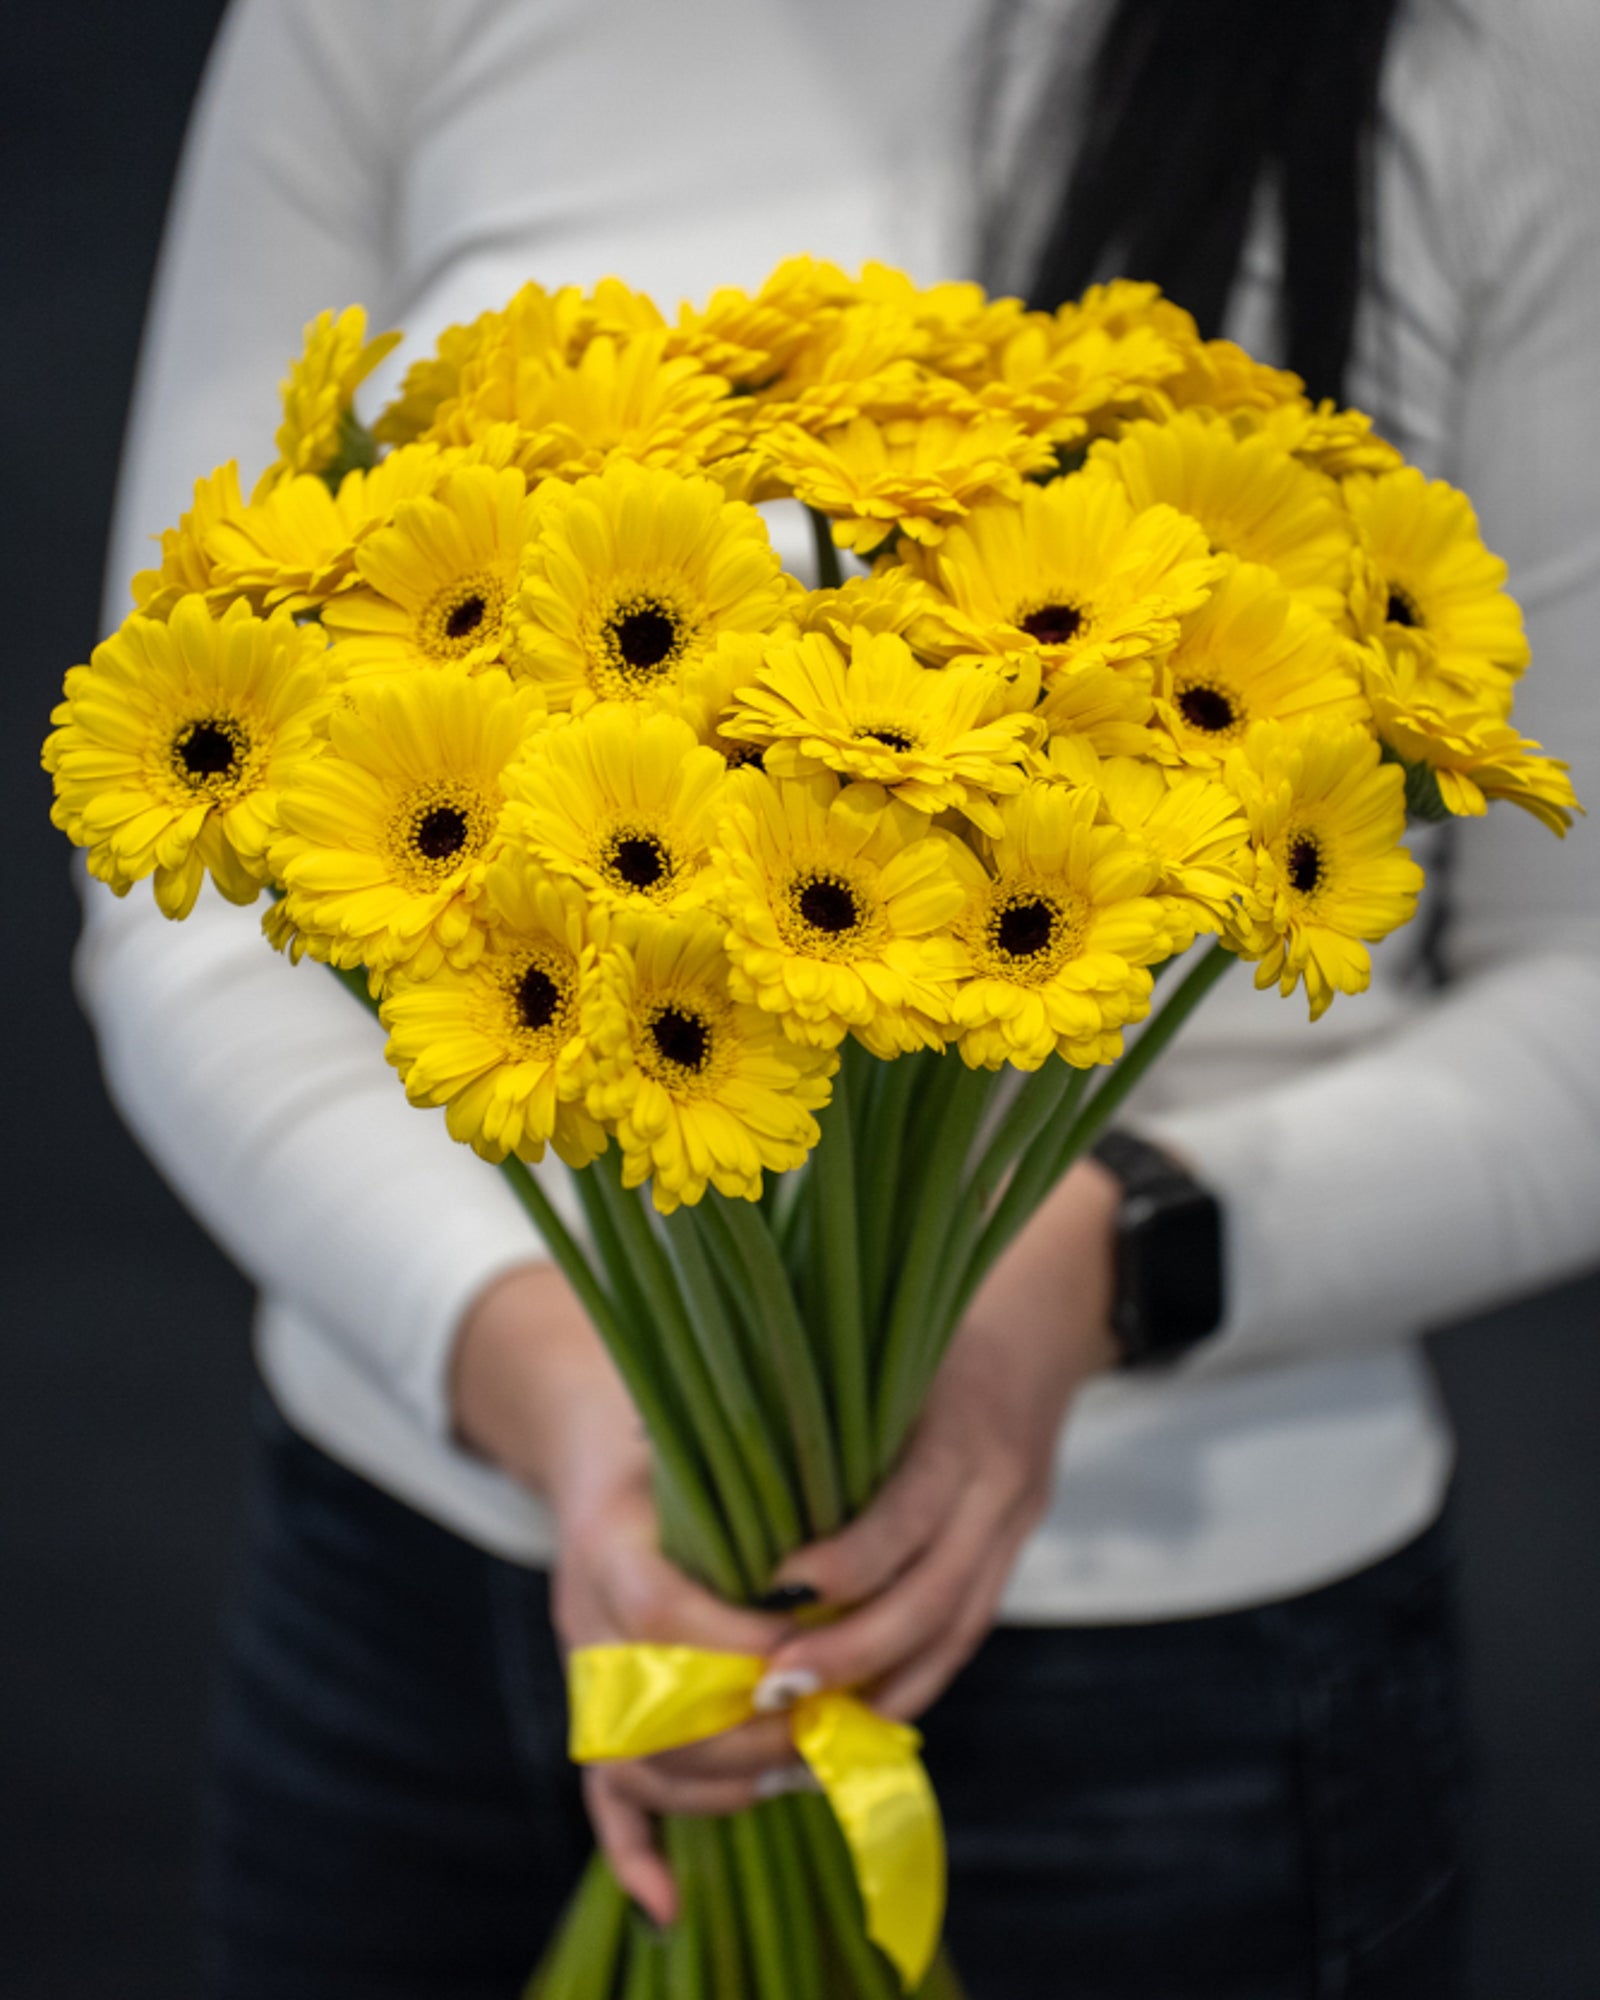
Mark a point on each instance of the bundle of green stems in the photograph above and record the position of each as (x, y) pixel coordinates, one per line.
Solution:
(779, 1353)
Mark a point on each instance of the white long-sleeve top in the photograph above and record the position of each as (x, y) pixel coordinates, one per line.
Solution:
(1416, 1154)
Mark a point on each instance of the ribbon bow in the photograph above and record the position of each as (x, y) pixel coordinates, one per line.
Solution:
(632, 1701)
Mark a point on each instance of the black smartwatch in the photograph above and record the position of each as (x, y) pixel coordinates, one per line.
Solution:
(1168, 1293)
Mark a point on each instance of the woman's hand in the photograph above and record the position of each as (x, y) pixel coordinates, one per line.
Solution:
(927, 1563)
(534, 1390)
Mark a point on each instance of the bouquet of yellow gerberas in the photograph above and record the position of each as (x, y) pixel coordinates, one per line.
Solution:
(820, 913)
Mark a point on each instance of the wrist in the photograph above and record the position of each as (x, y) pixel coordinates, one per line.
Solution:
(534, 1392)
(1056, 1281)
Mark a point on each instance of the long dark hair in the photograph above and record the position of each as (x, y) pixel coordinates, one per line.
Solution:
(1189, 104)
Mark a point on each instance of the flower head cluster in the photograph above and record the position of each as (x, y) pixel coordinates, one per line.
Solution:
(510, 702)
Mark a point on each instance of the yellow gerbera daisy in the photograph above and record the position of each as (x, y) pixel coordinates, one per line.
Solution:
(1059, 376)
(1473, 754)
(436, 583)
(624, 801)
(908, 475)
(631, 577)
(617, 398)
(838, 901)
(706, 695)
(188, 564)
(1061, 932)
(1071, 574)
(1192, 826)
(1325, 437)
(1108, 708)
(1219, 375)
(1124, 305)
(297, 546)
(1250, 651)
(433, 381)
(937, 740)
(499, 1045)
(701, 1089)
(891, 599)
(857, 363)
(171, 748)
(1326, 819)
(388, 833)
(1440, 593)
(319, 393)
(752, 340)
(1253, 500)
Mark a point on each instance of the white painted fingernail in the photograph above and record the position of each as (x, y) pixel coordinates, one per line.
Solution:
(784, 1688)
(785, 1779)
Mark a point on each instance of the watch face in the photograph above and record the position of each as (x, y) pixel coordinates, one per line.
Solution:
(1172, 1268)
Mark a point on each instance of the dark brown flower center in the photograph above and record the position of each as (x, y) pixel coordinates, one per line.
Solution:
(1402, 608)
(1206, 708)
(465, 617)
(645, 636)
(891, 739)
(208, 752)
(743, 755)
(1053, 624)
(828, 906)
(640, 860)
(1025, 929)
(1305, 864)
(538, 998)
(441, 832)
(680, 1038)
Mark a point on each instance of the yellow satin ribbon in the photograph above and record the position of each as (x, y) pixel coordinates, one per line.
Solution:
(632, 1701)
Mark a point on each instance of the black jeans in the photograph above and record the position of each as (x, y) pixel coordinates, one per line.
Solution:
(1264, 1805)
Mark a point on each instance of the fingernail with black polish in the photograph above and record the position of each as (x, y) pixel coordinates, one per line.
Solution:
(787, 1597)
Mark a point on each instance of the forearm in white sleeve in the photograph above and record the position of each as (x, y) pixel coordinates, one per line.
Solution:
(260, 1090)
(1457, 1163)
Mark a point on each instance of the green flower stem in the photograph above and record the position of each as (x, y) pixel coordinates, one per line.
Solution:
(1046, 1098)
(633, 1306)
(734, 1282)
(1108, 1099)
(882, 1136)
(910, 1329)
(710, 1557)
(672, 1325)
(646, 1977)
(779, 1326)
(1051, 1153)
(565, 1248)
(922, 1144)
(846, 1926)
(834, 1166)
(701, 1856)
(582, 1963)
(757, 1893)
(724, 1360)
(829, 573)
(688, 1943)
(787, 1870)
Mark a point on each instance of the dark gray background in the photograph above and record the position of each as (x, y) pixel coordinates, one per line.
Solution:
(124, 1371)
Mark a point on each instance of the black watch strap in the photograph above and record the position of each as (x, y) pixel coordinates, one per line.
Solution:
(1168, 1292)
